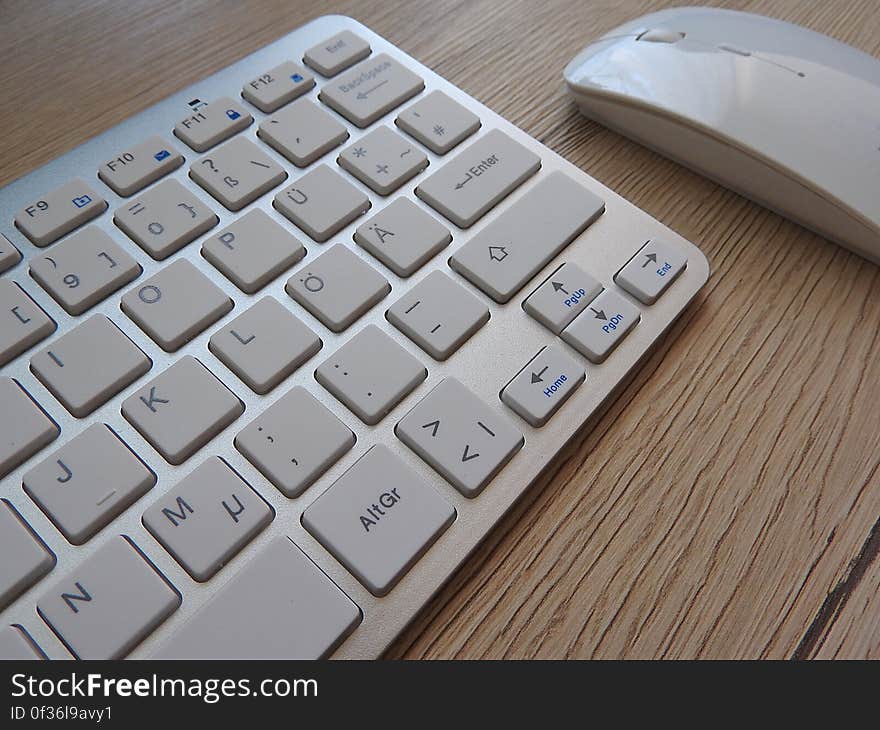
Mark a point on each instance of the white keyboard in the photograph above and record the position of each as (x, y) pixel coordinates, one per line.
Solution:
(278, 352)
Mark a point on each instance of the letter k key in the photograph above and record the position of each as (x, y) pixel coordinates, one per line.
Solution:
(153, 399)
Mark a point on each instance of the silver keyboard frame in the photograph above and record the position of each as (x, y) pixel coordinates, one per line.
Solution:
(485, 363)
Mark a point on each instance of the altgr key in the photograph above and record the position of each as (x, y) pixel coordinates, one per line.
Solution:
(378, 519)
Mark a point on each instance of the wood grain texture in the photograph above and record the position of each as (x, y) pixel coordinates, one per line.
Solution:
(725, 505)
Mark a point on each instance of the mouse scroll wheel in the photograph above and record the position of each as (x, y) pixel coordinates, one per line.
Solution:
(660, 35)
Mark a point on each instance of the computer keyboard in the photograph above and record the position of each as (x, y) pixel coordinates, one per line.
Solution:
(278, 352)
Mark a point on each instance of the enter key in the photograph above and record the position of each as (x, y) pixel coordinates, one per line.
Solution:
(542, 386)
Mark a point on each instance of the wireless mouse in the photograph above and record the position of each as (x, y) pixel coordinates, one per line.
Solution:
(783, 115)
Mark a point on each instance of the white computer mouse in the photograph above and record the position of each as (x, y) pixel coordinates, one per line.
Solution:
(781, 114)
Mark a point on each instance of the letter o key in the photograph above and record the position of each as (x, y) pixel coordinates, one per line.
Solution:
(149, 294)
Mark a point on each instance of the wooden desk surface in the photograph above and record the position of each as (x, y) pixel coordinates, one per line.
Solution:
(727, 504)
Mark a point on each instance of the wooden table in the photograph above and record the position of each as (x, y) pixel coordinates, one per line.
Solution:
(727, 504)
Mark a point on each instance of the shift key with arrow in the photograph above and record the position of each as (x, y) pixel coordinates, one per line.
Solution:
(371, 89)
(460, 436)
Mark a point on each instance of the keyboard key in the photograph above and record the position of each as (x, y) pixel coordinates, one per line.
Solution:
(213, 123)
(460, 436)
(371, 89)
(322, 202)
(24, 559)
(278, 86)
(303, 132)
(383, 160)
(294, 441)
(264, 344)
(89, 365)
(253, 251)
(651, 270)
(208, 518)
(182, 409)
(164, 219)
(563, 296)
(478, 178)
(17, 645)
(337, 53)
(378, 519)
(24, 429)
(176, 304)
(107, 605)
(84, 269)
(543, 385)
(237, 173)
(131, 171)
(300, 614)
(402, 236)
(514, 247)
(438, 122)
(88, 482)
(338, 287)
(9, 254)
(598, 330)
(371, 374)
(438, 315)
(22, 323)
(59, 212)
